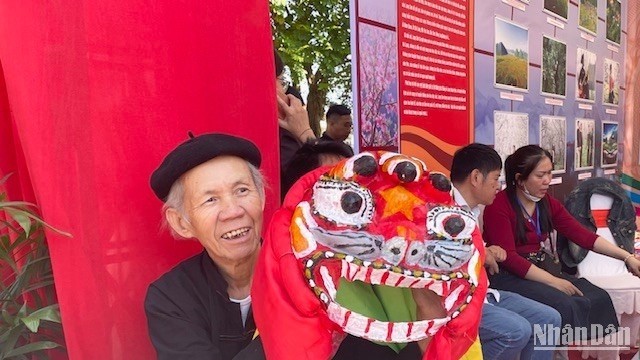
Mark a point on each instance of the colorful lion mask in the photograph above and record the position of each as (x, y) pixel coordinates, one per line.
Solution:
(376, 218)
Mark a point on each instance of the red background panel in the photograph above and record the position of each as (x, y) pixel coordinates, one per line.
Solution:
(93, 95)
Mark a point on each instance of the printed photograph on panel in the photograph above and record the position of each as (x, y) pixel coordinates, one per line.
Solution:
(511, 131)
(588, 15)
(614, 10)
(585, 141)
(585, 75)
(382, 11)
(609, 154)
(611, 82)
(511, 58)
(553, 138)
(559, 8)
(554, 67)
(378, 88)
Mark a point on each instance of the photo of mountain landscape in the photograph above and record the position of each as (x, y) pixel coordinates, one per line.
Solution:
(511, 57)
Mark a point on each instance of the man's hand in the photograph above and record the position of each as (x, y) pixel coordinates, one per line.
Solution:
(292, 116)
(490, 263)
(498, 253)
(428, 306)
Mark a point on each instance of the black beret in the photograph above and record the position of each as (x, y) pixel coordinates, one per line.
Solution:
(198, 150)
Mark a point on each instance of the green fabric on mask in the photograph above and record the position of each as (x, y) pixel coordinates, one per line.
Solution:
(380, 302)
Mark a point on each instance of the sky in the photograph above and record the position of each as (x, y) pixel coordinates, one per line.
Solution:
(512, 36)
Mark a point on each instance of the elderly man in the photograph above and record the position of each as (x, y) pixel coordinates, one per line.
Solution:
(212, 192)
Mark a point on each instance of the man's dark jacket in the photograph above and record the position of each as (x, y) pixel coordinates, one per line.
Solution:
(191, 317)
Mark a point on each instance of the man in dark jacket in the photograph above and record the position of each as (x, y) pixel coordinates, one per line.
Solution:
(339, 124)
(212, 192)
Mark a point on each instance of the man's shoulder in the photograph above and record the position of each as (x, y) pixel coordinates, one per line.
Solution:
(186, 273)
(326, 137)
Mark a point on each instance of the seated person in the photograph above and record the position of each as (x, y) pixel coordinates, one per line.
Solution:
(520, 220)
(506, 327)
(213, 192)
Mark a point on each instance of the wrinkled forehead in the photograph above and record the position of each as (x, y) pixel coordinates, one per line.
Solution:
(215, 175)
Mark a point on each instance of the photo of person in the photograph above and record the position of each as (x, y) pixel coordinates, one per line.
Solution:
(585, 75)
(559, 8)
(511, 131)
(553, 138)
(609, 154)
(611, 82)
(585, 140)
(554, 67)
(511, 58)
(588, 16)
(614, 10)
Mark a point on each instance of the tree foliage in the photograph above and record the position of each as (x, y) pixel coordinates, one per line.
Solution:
(312, 37)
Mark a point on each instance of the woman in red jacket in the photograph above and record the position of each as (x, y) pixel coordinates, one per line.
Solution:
(520, 220)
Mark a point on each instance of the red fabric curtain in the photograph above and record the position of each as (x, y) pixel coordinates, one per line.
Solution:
(92, 95)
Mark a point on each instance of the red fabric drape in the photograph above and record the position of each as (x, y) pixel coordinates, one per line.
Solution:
(93, 95)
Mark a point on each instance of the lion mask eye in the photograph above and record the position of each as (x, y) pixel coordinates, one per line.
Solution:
(452, 223)
(345, 203)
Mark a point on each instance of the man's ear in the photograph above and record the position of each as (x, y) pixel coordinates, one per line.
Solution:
(178, 223)
(476, 177)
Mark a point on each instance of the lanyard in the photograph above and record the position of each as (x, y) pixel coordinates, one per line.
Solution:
(537, 222)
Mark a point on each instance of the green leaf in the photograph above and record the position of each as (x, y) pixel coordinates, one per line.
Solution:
(22, 218)
(27, 274)
(32, 347)
(10, 339)
(23, 311)
(48, 313)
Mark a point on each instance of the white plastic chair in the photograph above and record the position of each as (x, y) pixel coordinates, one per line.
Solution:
(613, 276)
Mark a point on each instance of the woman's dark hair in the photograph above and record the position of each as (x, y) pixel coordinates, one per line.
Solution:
(522, 162)
(279, 63)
